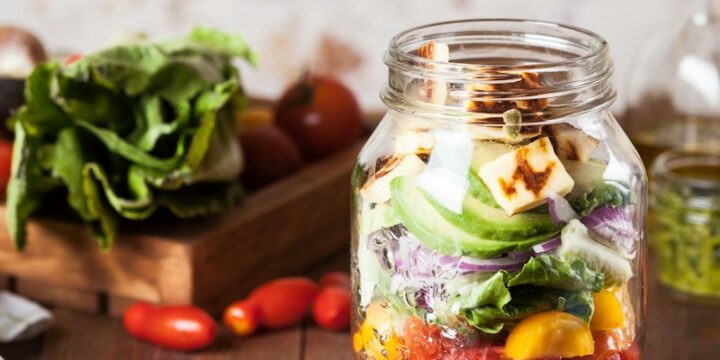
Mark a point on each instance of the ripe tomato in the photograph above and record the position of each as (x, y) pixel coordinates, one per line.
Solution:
(284, 302)
(631, 353)
(269, 155)
(175, 327)
(332, 307)
(242, 318)
(320, 114)
(335, 278)
(134, 317)
(5, 163)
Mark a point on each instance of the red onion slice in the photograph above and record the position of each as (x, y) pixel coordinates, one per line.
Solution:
(524, 255)
(614, 228)
(496, 264)
(560, 210)
(547, 245)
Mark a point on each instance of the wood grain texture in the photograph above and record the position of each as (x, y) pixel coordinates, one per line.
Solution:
(45, 293)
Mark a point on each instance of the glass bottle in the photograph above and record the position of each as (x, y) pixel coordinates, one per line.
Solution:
(498, 209)
(674, 88)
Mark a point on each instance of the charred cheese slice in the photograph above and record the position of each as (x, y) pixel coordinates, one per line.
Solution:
(497, 133)
(377, 188)
(419, 142)
(570, 142)
(522, 179)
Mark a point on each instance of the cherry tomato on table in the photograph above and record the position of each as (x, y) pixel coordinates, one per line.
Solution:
(175, 327)
(332, 307)
(5, 163)
(335, 278)
(242, 317)
(284, 302)
(320, 114)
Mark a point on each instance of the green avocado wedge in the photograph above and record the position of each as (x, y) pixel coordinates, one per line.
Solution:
(422, 218)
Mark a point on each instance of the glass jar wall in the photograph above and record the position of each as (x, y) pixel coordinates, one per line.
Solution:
(499, 209)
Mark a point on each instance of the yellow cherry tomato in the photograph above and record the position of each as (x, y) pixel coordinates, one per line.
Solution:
(550, 334)
(609, 314)
(376, 335)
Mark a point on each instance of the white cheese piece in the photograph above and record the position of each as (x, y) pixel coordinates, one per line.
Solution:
(445, 178)
(377, 188)
(522, 179)
(414, 142)
(570, 142)
(436, 51)
(497, 133)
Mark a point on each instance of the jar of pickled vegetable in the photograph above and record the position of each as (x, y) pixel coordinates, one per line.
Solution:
(499, 209)
(686, 223)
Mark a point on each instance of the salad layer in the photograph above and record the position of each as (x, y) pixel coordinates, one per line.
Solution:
(470, 247)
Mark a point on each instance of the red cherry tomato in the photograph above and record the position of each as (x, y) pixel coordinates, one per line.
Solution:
(135, 316)
(5, 163)
(631, 353)
(269, 155)
(242, 318)
(175, 327)
(332, 307)
(320, 114)
(284, 302)
(335, 278)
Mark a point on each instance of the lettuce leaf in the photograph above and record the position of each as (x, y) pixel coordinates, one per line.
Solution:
(545, 283)
(131, 129)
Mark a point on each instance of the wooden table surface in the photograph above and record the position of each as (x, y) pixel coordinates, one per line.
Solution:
(674, 331)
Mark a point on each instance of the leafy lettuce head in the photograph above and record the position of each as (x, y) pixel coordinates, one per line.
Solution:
(130, 129)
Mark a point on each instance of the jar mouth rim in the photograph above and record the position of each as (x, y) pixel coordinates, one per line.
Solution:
(666, 164)
(599, 45)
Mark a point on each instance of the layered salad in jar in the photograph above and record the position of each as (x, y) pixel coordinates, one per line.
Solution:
(493, 239)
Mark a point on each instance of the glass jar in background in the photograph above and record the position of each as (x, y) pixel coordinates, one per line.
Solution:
(686, 224)
(498, 209)
(674, 87)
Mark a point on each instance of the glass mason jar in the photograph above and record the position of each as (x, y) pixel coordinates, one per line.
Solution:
(686, 224)
(499, 209)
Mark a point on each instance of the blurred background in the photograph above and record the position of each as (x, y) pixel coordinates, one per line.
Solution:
(344, 37)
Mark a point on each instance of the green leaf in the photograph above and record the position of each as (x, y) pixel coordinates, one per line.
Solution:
(552, 272)
(41, 115)
(103, 222)
(545, 283)
(602, 194)
(128, 69)
(22, 196)
(231, 45)
(202, 199)
(67, 165)
(119, 146)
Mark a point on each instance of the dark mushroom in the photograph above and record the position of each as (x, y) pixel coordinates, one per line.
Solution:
(20, 51)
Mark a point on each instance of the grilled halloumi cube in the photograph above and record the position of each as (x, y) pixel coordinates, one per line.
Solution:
(377, 187)
(522, 179)
(416, 141)
(436, 90)
(497, 133)
(570, 142)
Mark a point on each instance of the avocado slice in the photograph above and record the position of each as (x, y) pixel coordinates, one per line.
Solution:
(422, 218)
